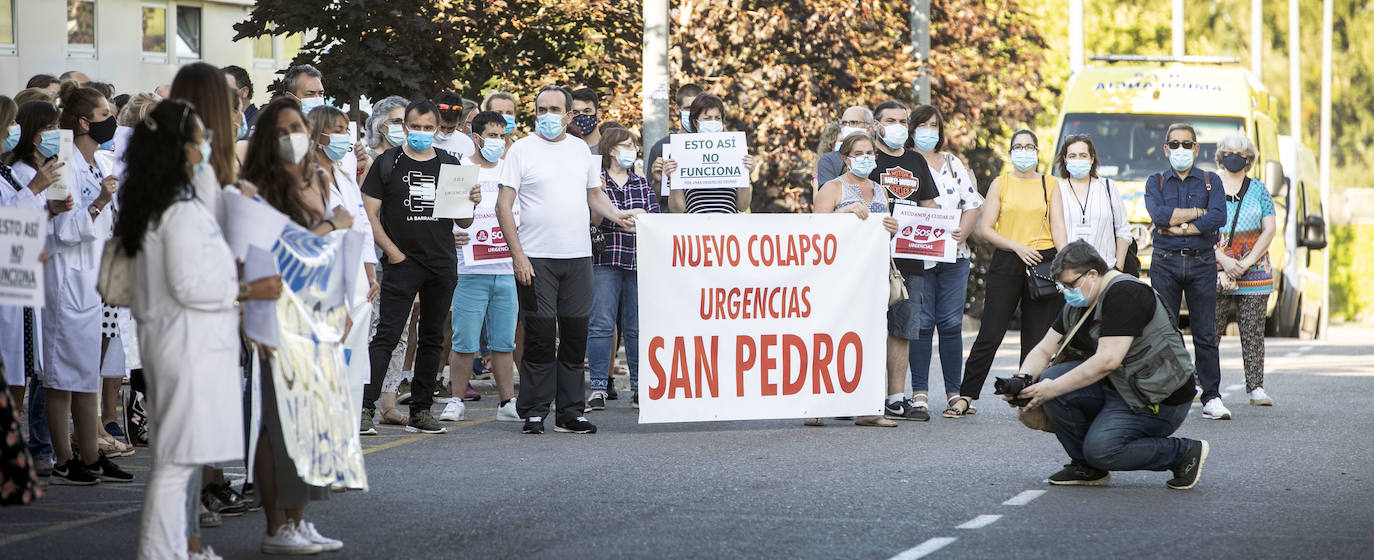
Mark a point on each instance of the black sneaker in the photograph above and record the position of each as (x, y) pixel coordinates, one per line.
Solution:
(1189, 469)
(611, 395)
(136, 419)
(1079, 475)
(578, 426)
(634, 400)
(106, 470)
(222, 499)
(597, 401)
(533, 425)
(72, 473)
(902, 410)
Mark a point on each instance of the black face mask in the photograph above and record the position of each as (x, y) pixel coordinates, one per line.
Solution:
(104, 130)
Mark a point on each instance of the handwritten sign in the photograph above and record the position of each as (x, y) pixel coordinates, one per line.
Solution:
(451, 195)
(709, 161)
(925, 233)
(22, 232)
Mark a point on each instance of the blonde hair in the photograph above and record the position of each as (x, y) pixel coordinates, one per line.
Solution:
(138, 107)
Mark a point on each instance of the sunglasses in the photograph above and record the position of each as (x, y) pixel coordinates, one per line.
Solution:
(1186, 144)
(447, 107)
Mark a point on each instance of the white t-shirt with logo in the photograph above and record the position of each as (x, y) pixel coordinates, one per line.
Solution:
(484, 221)
(551, 180)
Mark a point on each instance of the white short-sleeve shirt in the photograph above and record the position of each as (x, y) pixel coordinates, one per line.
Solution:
(551, 180)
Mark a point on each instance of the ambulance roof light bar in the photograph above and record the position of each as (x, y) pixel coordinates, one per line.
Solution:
(1163, 59)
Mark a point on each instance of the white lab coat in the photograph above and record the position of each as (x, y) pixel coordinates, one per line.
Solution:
(12, 316)
(185, 284)
(71, 311)
(347, 194)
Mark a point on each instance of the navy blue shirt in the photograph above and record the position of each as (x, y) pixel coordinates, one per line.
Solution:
(1192, 192)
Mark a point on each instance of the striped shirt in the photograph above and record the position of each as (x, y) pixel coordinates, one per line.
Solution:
(711, 201)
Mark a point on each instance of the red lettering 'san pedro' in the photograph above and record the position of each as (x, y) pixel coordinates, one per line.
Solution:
(801, 362)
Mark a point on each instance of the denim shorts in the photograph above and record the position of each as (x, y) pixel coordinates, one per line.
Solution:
(904, 317)
(488, 299)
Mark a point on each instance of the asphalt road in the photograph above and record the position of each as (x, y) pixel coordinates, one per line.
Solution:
(1294, 480)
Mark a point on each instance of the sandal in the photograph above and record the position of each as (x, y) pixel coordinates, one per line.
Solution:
(209, 518)
(875, 422)
(814, 422)
(394, 417)
(954, 412)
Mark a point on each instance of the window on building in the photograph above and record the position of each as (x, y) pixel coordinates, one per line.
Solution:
(155, 30)
(81, 28)
(188, 32)
(290, 46)
(7, 40)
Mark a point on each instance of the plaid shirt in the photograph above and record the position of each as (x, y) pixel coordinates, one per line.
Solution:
(620, 246)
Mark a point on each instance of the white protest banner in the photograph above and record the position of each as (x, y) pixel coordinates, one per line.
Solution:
(452, 194)
(249, 223)
(925, 233)
(709, 161)
(22, 233)
(486, 244)
(62, 188)
(771, 316)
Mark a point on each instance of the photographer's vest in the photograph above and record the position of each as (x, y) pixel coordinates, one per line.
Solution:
(1156, 364)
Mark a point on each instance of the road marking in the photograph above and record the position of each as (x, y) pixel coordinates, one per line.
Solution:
(418, 437)
(1307, 348)
(65, 526)
(1024, 498)
(980, 522)
(925, 548)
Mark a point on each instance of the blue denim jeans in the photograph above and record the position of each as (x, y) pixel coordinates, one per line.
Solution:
(40, 440)
(1177, 276)
(945, 288)
(615, 300)
(1097, 429)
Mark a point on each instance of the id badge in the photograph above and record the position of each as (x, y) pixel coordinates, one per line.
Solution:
(1082, 231)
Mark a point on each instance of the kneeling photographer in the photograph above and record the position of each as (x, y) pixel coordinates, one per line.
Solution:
(1127, 384)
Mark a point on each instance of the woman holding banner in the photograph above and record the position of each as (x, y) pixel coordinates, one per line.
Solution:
(853, 192)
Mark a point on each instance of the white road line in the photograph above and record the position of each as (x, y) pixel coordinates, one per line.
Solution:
(1292, 354)
(980, 522)
(1236, 387)
(1024, 498)
(64, 526)
(1307, 348)
(925, 548)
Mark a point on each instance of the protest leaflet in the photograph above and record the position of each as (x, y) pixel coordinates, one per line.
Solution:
(451, 193)
(925, 233)
(486, 244)
(62, 188)
(22, 233)
(709, 161)
(780, 316)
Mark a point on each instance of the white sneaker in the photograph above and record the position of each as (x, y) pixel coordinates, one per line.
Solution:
(1214, 410)
(205, 554)
(307, 529)
(1259, 398)
(453, 411)
(506, 412)
(289, 541)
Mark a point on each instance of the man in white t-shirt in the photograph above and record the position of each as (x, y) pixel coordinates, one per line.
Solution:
(558, 187)
(453, 133)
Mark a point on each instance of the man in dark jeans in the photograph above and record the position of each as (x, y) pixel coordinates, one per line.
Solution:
(1188, 206)
(398, 194)
(1130, 386)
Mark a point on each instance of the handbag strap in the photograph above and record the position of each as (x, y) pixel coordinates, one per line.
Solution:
(1240, 200)
(1046, 218)
(1069, 337)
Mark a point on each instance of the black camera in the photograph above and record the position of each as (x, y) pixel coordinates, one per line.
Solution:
(1013, 385)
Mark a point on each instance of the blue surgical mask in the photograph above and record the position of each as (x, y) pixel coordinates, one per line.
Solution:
(493, 149)
(107, 145)
(863, 165)
(1078, 168)
(710, 127)
(1181, 159)
(310, 103)
(1073, 297)
(894, 135)
(420, 140)
(339, 145)
(626, 158)
(510, 123)
(204, 157)
(1024, 160)
(12, 140)
(243, 130)
(49, 141)
(1234, 163)
(395, 134)
(686, 116)
(926, 139)
(549, 125)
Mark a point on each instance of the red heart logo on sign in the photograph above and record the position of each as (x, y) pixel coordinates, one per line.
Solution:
(939, 233)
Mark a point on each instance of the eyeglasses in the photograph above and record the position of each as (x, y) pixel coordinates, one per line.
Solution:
(1185, 144)
(855, 124)
(1073, 284)
(1024, 147)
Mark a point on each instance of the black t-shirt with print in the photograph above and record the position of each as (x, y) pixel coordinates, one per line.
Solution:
(907, 179)
(408, 208)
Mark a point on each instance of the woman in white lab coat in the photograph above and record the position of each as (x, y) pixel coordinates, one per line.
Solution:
(72, 311)
(185, 288)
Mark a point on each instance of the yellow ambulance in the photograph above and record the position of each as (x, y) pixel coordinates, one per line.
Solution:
(1127, 105)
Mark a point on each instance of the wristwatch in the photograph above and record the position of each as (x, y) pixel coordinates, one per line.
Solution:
(243, 290)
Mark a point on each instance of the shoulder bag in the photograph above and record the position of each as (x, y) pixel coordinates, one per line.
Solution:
(1039, 280)
(115, 282)
(1226, 284)
(1036, 419)
(1132, 263)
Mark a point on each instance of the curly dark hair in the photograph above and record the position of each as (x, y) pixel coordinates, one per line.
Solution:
(156, 172)
(278, 181)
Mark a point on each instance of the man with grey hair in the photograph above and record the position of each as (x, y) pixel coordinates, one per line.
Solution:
(831, 164)
(1127, 382)
(1188, 206)
(305, 83)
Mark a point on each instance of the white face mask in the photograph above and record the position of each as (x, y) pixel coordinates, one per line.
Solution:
(711, 126)
(293, 147)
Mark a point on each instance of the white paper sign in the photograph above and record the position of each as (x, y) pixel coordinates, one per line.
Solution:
(452, 193)
(250, 223)
(62, 188)
(777, 316)
(486, 244)
(22, 233)
(925, 233)
(709, 161)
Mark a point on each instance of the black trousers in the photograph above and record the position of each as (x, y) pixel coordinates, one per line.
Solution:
(556, 306)
(1006, 289)
(400, 284)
